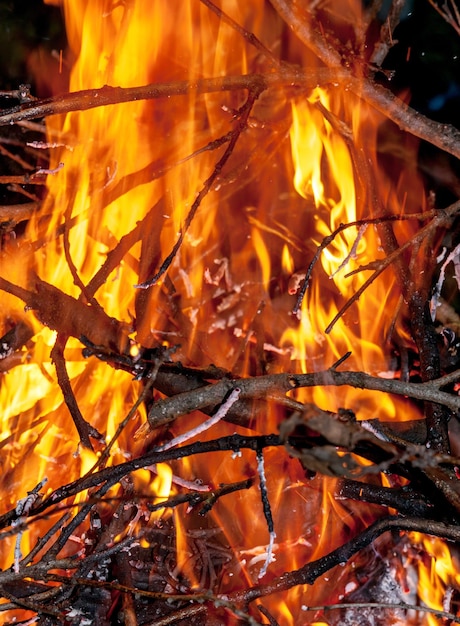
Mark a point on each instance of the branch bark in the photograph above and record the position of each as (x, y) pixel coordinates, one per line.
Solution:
(303, 24)
(443, 136)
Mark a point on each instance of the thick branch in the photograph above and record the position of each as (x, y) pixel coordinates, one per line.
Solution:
(274, 385)
(69, 316)
(10, 215)
(93, 98)
(445, 137)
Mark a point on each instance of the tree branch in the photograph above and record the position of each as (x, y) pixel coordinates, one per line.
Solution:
(443, 136)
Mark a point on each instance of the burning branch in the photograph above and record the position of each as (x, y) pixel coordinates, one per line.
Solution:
(241, 122)
(69, 316)
(274, 386)
(136, 523)
(443, 136)
(310, 572)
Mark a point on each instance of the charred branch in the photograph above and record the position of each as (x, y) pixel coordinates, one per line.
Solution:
(69, 316)
(115, 517)
(310, 572)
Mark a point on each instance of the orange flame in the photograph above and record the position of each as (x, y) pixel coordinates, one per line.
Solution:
(253, 232)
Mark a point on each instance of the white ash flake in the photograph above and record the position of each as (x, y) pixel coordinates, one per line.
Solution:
(82, 620)
(294, 282)
(22, 510)
(387, 374)
(222, 272)
(42, 145)
(6, 350)
(48, 172)
(269, 556)
(187, 283)
(349, 587)
(231, 300)
(371, 428)
(268, 347)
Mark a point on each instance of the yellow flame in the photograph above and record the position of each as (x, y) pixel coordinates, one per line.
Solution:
(130, 161)
(436, 576)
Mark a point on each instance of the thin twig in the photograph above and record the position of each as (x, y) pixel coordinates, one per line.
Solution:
(241, 122)
(341, 228)
(398, 606)
(446, 13)
(310, 572)
(94, 98)
(247, 35)
(380, 98)
(442, 218)
(267, 511)
(85, 430)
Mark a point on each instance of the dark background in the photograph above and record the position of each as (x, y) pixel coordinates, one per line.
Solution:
(29, 33)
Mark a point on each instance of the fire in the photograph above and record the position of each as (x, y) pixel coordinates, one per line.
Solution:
(438, 575)
(137, 168)
(324, 176)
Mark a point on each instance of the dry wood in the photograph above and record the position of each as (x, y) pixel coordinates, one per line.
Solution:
(331, 444)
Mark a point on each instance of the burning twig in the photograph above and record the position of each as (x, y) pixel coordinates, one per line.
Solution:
(206, 499)
(375, 265)
(241, 122)
(271, 620)
(307, 574)
(445, 137)
(155, 170)
(267, 512)
(93, 98)
(384, 605)
(409, 501)
(85, 430)
(247, 35)
(214, 419)
(442, 218)
(22, 511)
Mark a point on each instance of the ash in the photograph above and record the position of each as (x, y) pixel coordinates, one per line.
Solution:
(383, 578)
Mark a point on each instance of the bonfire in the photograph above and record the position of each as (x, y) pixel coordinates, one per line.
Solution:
(229, 353)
